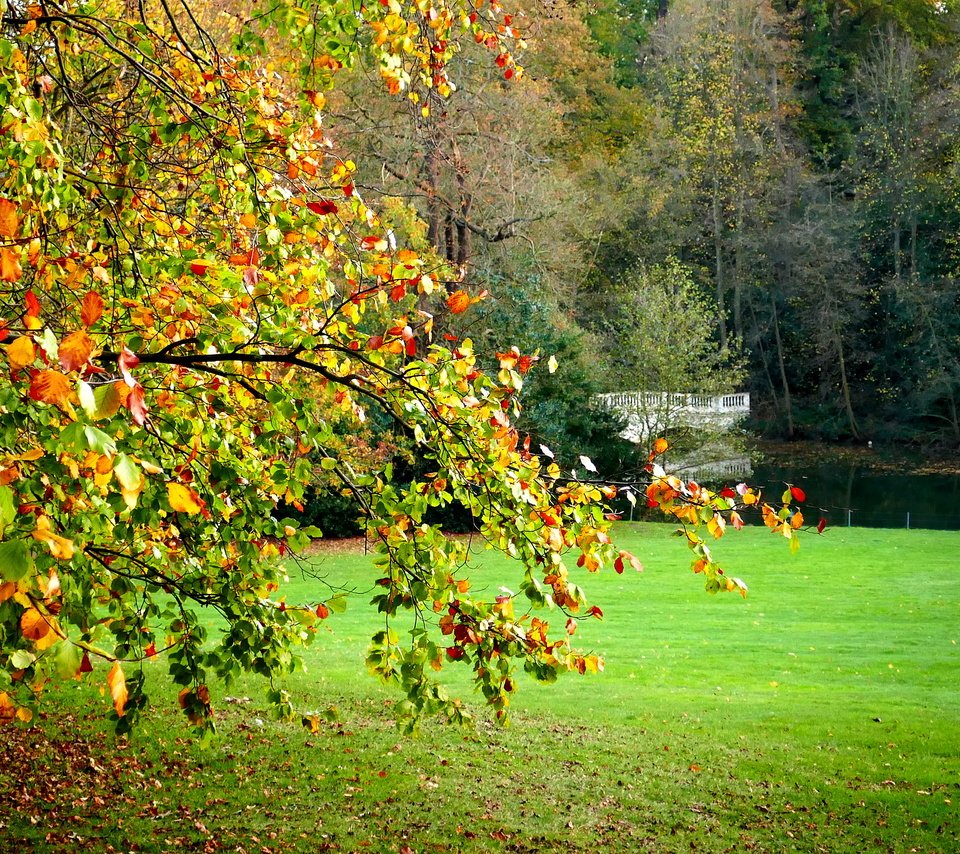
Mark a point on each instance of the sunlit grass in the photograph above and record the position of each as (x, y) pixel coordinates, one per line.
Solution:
(821, 713)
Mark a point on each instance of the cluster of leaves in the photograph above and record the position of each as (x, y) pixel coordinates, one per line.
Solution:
(195, 299)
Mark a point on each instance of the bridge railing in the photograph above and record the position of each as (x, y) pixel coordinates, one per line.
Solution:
(646, 401)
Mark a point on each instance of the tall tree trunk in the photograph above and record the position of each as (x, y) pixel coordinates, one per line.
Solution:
(718, 261)
(781, 362)
(845, 386)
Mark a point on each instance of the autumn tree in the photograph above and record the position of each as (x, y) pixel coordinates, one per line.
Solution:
(196, 298)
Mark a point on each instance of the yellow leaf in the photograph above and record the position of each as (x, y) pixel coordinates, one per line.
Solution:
(24, 714)
(21, 353)
(183, 499)
(118, 688)
(59, 546)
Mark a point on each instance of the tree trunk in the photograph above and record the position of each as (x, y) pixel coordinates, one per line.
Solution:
(787, 404)
(718, 261)
(845, 387)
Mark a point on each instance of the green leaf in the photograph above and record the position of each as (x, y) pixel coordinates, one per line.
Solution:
(16, 561)
(338, 604)
(99, 441)
(7, 511)
(22, 659)
(128, 473)
(67, 660)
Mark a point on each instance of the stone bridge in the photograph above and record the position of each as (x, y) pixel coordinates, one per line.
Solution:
(651, 414)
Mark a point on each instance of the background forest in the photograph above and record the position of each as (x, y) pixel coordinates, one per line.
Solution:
(702, 196)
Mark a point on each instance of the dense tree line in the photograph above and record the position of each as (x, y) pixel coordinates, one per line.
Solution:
(794, 160)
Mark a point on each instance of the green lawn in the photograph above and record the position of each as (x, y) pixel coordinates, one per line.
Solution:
(820, 714)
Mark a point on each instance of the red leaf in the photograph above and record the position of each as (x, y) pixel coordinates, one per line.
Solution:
(127, 360)
(151, 650)
(821, 525)
(454, 652)
(85, 665)
(727, 492)
(323, 611)
(33, 304)
(199, 268)
(137, 405)
(618, 565)
(798, 494)
(374, 342)
(322, 208)
(398, 292)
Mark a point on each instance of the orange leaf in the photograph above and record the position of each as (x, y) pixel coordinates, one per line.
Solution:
(75, 350)
(8, 711)
(34, 625)
(118, 688)
(10, 269)
(51, 387)
(660, 446)
(458, 302)
(91, 309)
(20, 353)
(9, 223)
(183, 499)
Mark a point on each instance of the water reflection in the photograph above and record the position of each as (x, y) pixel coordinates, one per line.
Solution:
(851, 493)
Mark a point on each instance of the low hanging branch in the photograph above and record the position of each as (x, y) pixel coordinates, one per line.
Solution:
(199, 312)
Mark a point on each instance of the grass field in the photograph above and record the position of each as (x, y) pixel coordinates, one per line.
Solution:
(820, 714)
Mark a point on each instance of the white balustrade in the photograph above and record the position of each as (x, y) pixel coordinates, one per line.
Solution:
(648, 413)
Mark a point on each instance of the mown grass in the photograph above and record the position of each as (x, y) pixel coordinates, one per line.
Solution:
(820, 714)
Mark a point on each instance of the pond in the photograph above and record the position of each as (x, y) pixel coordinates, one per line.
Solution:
(854, 493)
(847, 486)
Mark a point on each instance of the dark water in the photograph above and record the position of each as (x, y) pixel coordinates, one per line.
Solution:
(850, 493)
